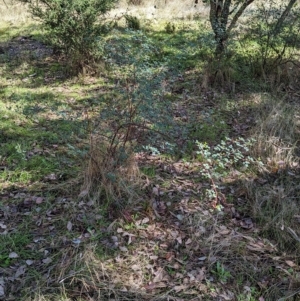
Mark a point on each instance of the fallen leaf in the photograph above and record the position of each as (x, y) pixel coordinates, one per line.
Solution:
(47, 260)
(13, 255)
(179, 239)
(20, 271)
(290, 263)
(69, 226)
(145, 220)
(39, 200)
(189, 241)
(136, 267)
(179, 288)
(29, 262)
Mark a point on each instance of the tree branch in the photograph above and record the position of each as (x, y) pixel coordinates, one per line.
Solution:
(239, 13)
(283, 16)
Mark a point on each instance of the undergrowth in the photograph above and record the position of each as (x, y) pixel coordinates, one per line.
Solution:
(170, 176)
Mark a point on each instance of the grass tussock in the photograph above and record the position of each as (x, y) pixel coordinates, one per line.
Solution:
(112, 172)
(277, 134)
(275, 199)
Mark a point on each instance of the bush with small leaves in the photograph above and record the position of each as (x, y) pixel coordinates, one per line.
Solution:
(74, 28)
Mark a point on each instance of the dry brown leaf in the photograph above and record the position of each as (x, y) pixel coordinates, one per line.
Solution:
(179, 288)
(290, 263)
(159, 275)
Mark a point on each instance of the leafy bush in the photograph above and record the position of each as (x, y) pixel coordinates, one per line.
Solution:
(74, 27)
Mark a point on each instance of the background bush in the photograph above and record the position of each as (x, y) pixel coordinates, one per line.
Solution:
(75, 28)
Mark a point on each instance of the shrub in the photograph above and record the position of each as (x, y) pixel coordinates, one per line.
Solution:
(133, 22)
(74, 28)
(170, 28)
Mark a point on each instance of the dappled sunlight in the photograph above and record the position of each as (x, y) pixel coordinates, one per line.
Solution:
(164, 174)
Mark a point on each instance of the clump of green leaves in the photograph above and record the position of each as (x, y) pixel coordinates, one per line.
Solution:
(218, 160)
(75, 27)
(227, 154)
(221, 273)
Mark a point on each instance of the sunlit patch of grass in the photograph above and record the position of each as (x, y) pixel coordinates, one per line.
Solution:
(14, 12)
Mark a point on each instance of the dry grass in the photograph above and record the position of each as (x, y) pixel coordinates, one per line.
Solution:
(165, 10)
(277, 134)
(111, 171)
(275, 199)
(14, 12)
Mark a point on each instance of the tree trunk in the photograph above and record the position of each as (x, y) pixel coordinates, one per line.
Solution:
(219, 14)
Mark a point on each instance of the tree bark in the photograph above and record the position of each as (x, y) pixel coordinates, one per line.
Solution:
(219, 14)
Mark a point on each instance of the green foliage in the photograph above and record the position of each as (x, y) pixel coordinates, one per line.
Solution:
(74, 27)
(221, 273)
(229, 153)
(133, 22)
(220, 159)
(148, 171)
(16, 243)
(270, 46)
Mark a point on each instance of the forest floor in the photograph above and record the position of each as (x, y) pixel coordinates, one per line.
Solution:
(210, 214)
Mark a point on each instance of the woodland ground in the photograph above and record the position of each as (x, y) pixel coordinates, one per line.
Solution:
(186, 232)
